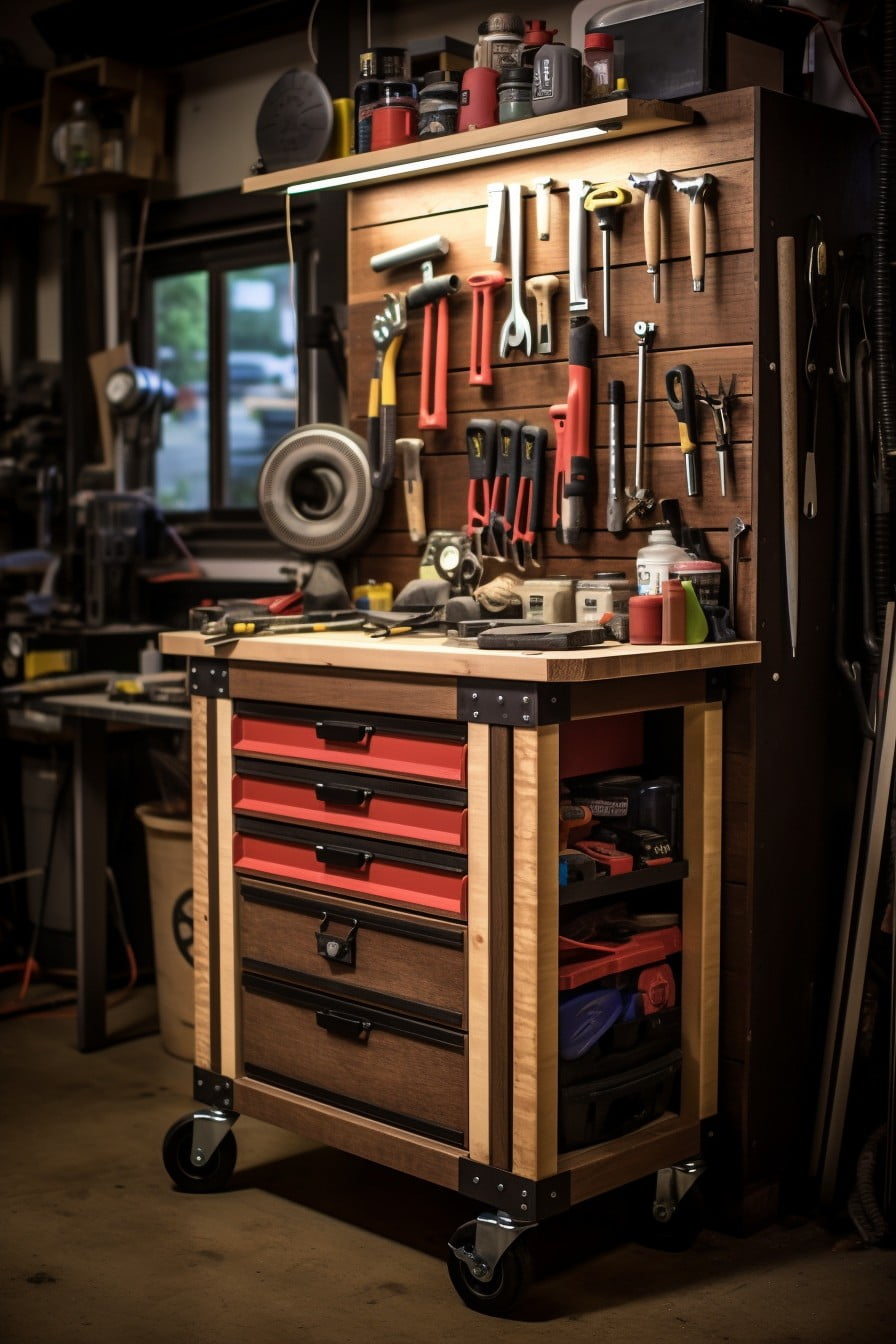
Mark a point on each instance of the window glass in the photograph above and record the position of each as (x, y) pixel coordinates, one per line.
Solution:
(260, 374)
(181, 338)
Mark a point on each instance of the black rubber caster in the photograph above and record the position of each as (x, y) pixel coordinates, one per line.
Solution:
(510, 1278)
(679, 1232)
(177, 1147)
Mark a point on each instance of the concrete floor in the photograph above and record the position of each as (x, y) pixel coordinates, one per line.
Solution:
(309, 1243)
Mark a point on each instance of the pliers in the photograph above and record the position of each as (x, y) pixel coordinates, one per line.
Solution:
(388, 328)
(720, 405)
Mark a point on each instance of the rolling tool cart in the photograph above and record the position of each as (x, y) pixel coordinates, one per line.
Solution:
(378, 912)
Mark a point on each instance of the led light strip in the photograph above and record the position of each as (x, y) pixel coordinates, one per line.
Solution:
(359, 176)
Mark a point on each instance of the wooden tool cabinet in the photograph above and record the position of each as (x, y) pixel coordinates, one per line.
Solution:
(377, 905)
(790, 727)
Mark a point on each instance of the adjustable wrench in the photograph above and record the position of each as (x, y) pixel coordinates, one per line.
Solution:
(642, 499)
(516, 329)
(578, 246)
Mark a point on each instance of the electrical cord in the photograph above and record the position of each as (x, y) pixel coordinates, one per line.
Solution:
(836, 55)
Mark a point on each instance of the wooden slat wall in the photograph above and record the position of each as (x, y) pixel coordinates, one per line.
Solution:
(713, 332)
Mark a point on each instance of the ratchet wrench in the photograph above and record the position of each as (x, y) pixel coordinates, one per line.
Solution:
(642, 499)
(516, 329)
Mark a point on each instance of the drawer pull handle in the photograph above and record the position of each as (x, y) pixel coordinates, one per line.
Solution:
(355, 1028)
(342, 732)
(337, 857)
(333, 948)
(343, 794)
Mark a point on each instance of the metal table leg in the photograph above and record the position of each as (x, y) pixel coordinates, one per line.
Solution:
(89, 790)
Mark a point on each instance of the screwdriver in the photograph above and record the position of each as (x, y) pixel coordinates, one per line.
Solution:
(681, 394)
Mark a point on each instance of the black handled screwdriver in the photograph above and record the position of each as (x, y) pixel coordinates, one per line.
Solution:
(681, 393)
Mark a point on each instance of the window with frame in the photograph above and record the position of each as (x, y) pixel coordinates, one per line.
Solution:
(221, 317)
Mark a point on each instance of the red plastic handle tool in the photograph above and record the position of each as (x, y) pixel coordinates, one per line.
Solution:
(484, 285)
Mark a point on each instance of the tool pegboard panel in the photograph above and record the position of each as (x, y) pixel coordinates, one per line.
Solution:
(712, 331)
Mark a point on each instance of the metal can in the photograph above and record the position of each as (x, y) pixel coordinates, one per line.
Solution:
(549, 600)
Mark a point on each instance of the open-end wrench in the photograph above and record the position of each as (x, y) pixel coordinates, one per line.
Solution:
(642, 501)
(516, 329)
(578, 245)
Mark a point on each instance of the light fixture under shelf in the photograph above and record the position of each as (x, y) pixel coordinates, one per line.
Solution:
(620, 117)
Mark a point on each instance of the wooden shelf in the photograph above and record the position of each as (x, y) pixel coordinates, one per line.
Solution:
(617, 117)
(138, 97)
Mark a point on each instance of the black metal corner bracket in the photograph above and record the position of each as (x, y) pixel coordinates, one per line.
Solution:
(525, 1201)
(212, 1089)
(511, 704)
(209, 677)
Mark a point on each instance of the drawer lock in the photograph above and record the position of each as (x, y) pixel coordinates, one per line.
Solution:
(333, 948)
(355, 1028)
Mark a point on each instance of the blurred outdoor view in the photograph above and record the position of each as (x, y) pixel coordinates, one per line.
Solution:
(255, 389)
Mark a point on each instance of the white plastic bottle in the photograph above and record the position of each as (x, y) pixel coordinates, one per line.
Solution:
(655, 558)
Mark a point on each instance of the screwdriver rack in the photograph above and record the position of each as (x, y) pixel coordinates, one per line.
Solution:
(774, 159)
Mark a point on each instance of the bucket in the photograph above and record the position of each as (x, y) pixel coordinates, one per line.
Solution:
(169, 857)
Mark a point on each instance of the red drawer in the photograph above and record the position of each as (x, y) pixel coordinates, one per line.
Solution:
(374, 870)
(365, 804)
(417, 748)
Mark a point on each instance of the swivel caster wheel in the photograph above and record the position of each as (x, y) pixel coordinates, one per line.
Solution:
(196, 1165)
(490, 1288)
(675, 1212)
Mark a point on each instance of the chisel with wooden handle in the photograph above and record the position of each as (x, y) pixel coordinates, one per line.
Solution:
(410, 450)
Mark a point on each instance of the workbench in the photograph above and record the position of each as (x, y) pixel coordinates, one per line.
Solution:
(92, 715)
(377, 906)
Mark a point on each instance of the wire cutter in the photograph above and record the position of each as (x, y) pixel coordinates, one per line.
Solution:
(720, 405)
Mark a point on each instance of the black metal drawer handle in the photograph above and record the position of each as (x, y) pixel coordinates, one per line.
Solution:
(337, 857)
(353, 1028)
(332, 731)
(344, 794)
(333, 948)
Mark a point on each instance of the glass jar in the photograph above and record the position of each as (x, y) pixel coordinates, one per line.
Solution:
(77, 142)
